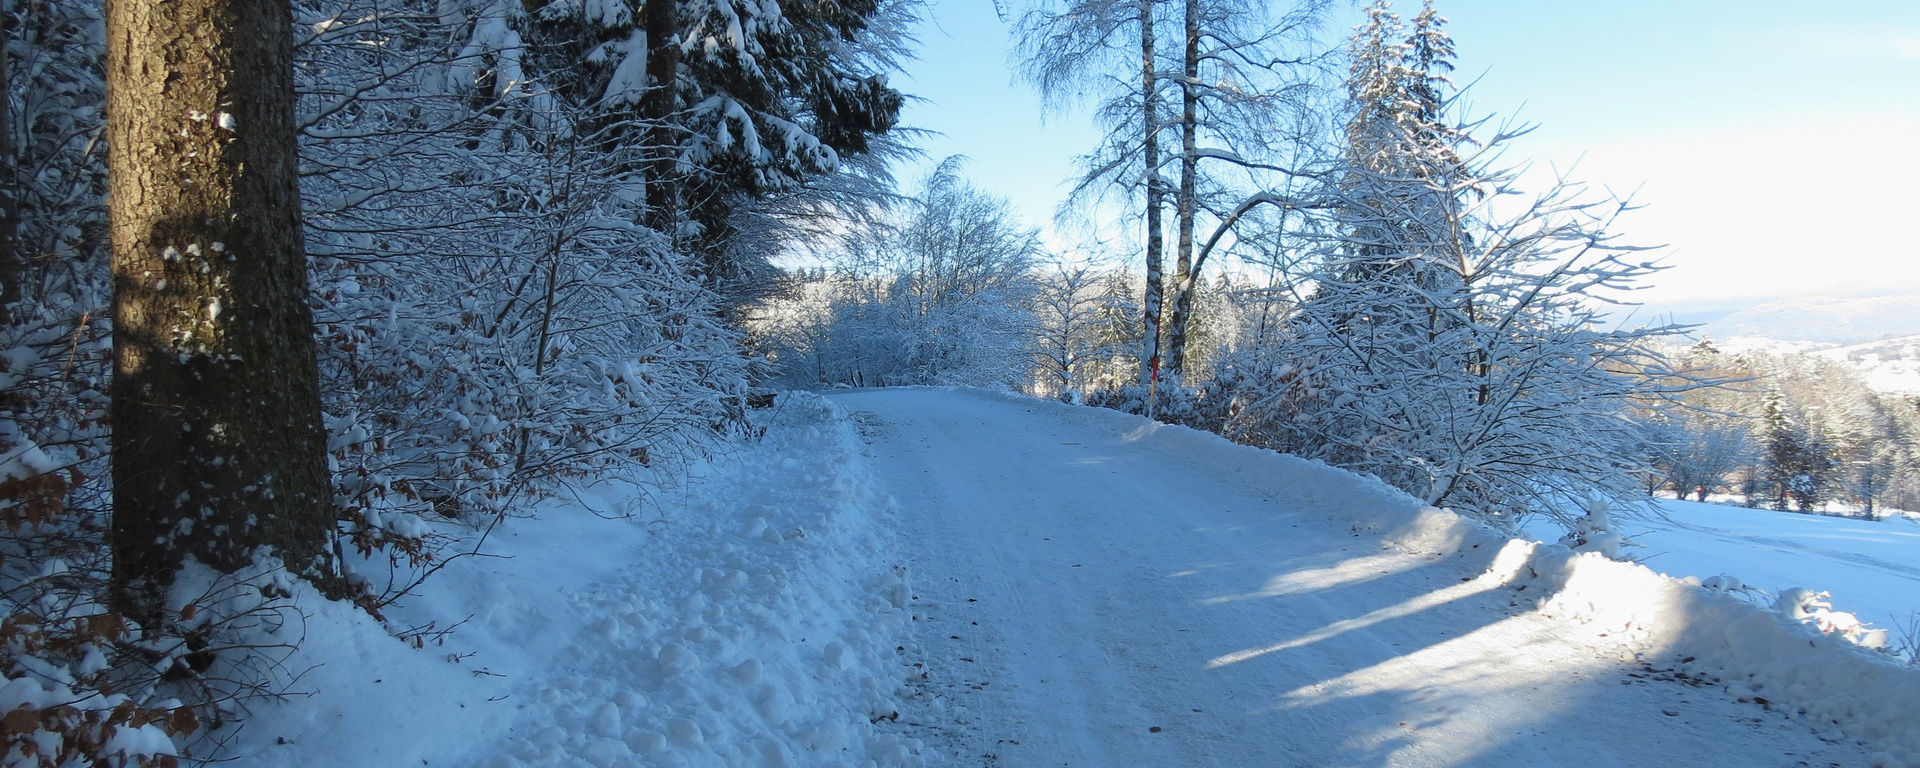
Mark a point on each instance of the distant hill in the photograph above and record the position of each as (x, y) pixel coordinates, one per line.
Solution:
(1823, 320)
(1877, 336)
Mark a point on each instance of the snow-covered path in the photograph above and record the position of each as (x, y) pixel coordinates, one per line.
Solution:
(1087, 598)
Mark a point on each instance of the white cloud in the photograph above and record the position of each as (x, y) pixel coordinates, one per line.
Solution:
(1907, 48)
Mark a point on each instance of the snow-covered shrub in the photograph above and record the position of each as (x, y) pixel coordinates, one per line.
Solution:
(1172, 404)
(63, 686)
(1594, 531)
(1244, 401)
(939, 293)
(493, 321)
(1907, 646)
(76, 684)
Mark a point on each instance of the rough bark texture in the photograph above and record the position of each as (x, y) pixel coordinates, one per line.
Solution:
(218, 448)
(1156, 247)
(661, 19)
(1188, 202)
(11, 264)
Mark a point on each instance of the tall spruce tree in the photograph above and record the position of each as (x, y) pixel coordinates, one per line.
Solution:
(218, 451)
(732, 100)
(1449, 345)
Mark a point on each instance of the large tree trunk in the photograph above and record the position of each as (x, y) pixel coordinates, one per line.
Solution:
(1149, 96)
(661, 21)
(1187, 204)
(218, 450)
(12, 266)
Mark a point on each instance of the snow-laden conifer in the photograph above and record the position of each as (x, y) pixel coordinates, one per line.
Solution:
(1451, 337)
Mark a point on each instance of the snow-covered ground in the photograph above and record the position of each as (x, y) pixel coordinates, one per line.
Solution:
(1887, 365)
(746, 618)
(1872, 569)
(948, 577)
(1093, 590)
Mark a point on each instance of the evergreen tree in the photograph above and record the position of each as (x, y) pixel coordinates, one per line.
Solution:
(1447, 341)
(729, 100)
(219, 453)
(1401, 195)
(1783, 452)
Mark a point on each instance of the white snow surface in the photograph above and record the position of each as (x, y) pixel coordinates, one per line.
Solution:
(746, 618)
(1094, 590)
(1871, 569)
(999, 581)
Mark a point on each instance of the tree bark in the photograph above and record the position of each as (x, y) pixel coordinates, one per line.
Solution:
(1184, 270)
(1156, 257)
(218, 450)
(661, 20)
(12, 266)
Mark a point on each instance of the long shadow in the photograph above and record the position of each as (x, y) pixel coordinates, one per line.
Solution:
(1303, 645)
(1426, 665)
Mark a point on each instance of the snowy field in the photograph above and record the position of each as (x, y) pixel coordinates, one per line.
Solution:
(1871, 569)
(931, 577)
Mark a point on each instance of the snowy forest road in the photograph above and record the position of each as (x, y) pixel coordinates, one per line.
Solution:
(1088, 598)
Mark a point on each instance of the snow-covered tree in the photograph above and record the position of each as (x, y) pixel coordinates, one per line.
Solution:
(728, 100)
(1216, 82)
(54, 361)
(1065, 48)
(1068, 306)
(1820, 435)
(1448, 337)
(495, 318)
(1798, 457)
(1696, 453)
(1117, 332)
(1873, 448)
(1245, 87)
(941, 293)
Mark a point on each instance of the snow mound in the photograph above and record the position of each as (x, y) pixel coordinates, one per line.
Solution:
(749, 617)
(1798, 656)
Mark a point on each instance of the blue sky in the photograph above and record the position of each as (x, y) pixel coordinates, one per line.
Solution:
(1775, 144)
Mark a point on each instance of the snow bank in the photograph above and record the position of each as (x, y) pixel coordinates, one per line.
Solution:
(749, 617)
(1779, 659)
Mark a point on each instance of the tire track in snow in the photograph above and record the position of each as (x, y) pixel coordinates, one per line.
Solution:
(1120, 588)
